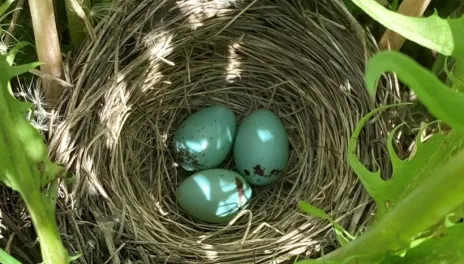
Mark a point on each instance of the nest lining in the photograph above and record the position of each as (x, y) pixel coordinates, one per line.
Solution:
(155, 62)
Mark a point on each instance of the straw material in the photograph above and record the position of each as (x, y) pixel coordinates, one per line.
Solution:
(153, 63)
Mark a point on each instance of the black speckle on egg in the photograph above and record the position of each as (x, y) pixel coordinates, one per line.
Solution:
(258, 170)
(247, 172)
(203, 128)
(198, 131)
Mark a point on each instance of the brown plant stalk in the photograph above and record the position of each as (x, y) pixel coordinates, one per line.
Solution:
(48, 48)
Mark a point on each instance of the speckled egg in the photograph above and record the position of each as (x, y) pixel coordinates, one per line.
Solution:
(261, 149)
(205, 138)
(214, 195)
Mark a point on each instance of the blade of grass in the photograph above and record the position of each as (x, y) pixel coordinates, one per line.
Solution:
(394, 5)
(6, 258)
(13, 22)
(5, 6)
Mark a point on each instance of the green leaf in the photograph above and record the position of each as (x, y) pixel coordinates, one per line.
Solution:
(444, 103)
(76, 257)
(439, 195)
(445, 36)
(25, 167)
(76, 24)
(407, 174)
(350, 259)
(457, 76)
(6, 258)
(344, 237)
(448, 248)
(352, 8)
(17, 48)
(314, 211)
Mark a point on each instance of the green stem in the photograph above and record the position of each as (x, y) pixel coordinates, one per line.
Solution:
(45, 225)
(75, 24)
(440, 194)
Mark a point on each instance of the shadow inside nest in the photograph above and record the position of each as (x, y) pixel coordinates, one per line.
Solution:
(156, 62)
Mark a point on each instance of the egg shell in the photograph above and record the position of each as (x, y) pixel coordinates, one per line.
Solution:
(261, 149)
(205, 138)
(214, 195)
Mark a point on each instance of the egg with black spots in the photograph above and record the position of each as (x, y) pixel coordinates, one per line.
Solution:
(205, 138)
(214, 196)
(261, 149)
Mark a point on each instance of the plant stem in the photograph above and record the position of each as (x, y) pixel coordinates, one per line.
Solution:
(45, 225)
(75, 23)
(439, 195)
(48, 47)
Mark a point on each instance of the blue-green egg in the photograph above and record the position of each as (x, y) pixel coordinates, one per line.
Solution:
(205, 138)
(261, 149)
(214, 195)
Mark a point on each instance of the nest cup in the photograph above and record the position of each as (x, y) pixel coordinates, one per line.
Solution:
(155, 62)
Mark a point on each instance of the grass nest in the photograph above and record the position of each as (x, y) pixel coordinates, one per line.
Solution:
(153, 63)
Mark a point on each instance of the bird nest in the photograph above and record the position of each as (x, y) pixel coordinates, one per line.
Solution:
(153, 63)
